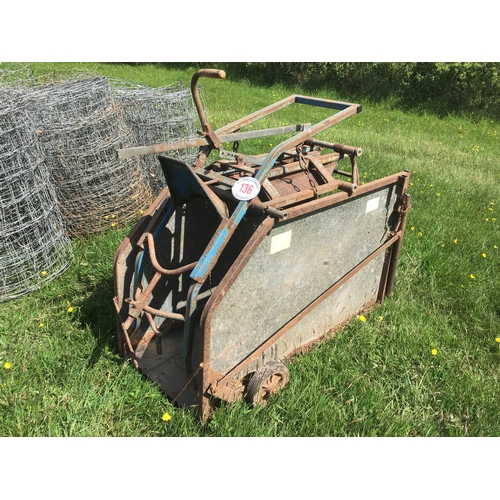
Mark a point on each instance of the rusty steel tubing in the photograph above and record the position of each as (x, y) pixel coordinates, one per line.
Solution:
(160, 269)
(338, 148)
(163, 314)
(207, 129)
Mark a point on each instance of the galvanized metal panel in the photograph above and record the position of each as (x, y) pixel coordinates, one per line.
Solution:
(294, 264)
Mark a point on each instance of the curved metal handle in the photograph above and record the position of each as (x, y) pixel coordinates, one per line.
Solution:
(205, 73)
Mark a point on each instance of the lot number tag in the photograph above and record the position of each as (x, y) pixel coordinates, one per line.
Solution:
(245, 188)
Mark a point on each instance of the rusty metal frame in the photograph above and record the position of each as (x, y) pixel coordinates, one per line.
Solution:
(288, 159)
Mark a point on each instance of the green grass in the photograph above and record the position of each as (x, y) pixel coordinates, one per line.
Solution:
(374, 378)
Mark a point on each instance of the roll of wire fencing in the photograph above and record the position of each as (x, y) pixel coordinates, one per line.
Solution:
(159, 115)
(34, 246)
(17, 74)
(81, 128)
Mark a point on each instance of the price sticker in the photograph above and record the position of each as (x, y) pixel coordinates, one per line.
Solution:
(246, 188)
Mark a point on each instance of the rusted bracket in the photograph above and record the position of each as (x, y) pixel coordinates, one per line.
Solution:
(342, 149)
(229, 390)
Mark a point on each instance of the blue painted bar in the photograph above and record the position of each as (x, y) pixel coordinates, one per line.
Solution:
(322, 103)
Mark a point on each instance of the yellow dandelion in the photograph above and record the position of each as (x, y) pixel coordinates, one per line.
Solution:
(434, 352)
(438, 194)
(113, 224)
(43, 273)
(472, 277)
(455, 240)
(380, 318)
(420, 233)
(7, 366)
(41, 325)
(362, 319)
(484, 255)
(70, 309)
(412, 228)
(498, 339)
(166, 417)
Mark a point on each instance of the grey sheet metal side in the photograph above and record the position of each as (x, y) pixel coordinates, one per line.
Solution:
(317, 250)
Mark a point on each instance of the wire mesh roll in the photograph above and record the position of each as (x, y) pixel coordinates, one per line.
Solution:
(158, 115)
(81, 128)
(17, 74)
(34, 246)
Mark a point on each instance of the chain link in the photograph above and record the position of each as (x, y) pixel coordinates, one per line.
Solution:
(304, 166)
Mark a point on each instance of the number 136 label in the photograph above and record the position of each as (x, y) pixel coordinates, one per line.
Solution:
(246, 188)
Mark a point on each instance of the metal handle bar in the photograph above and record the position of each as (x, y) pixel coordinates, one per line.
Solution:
(338, 148)
(207, 129)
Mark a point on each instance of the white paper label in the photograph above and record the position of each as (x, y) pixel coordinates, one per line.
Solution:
(245, 188)
(372, 204)
(281, 241)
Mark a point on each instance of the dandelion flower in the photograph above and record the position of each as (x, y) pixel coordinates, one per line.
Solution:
(166, 417)
(472, 277)
(7, 366)
(434, 352)
(70, 309)
(420, 233)
(41, 325)
(362, 319)
(455, 240)
(43, 273)
(380, 318)
(484, 255)
(412, 228)
(498, 339)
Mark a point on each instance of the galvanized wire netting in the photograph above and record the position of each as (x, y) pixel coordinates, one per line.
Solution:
(19, 74)
(59, 169)
(81, 128)
(158, 115)
(34, 247)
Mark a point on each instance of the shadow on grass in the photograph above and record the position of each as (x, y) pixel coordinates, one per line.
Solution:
(98, 314)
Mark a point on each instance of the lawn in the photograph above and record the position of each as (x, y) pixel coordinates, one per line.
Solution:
(425, 363)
